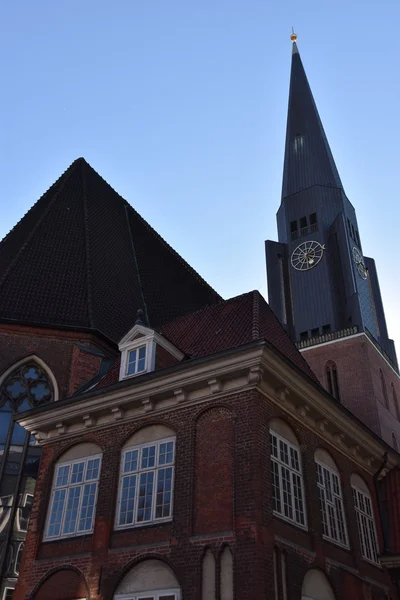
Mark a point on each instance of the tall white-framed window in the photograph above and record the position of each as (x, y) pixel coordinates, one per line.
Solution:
(331, 504)
(73, 498)
(145, 493)
(155, 595)
(24, 511)
(287, 481)
(365, 522)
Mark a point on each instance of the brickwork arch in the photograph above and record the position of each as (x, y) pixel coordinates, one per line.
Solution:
(135, 431)
(316, 586)
(282, 428)
(167, 575)
(65, 583)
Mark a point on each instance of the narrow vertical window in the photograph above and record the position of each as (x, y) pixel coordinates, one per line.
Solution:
(331, 504)
(366, 524)
(313, 222)
(287, 480)
(303, 226)
(332, 381)
(394, 442)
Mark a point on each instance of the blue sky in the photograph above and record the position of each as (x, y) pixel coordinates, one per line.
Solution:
(181, 106)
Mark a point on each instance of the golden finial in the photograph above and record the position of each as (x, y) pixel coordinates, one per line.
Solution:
(293, 37)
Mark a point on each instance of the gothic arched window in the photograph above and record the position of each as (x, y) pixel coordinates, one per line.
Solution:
(384, 390)
(332, 380)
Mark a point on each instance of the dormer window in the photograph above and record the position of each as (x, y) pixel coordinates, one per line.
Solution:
(136, 361)
(139, 351)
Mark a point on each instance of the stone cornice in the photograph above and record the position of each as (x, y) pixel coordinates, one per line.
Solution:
(253, 367)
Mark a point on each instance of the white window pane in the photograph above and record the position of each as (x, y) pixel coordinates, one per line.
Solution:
(77, 472)
(56, 513)
(131, 461)
(276, 495)
(127, 503)
(145, 497)
(93, 468)
(87, 508)
(62, 475)
(71, 512)
(166, 453)
(164, 493)
(148, 457)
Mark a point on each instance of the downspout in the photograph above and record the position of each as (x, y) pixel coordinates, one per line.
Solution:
(380, 508)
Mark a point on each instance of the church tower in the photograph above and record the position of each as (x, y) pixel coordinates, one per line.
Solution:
(320, 285)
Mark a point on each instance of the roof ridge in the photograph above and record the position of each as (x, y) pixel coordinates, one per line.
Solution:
(204, 308)
(87, 243)
(157, 235)
(255, 329)
(136, 263)
(173, 251)
(65, 177)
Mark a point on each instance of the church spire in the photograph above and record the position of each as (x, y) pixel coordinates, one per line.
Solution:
(308, 158)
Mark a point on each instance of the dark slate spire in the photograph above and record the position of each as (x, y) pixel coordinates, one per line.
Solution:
(308, 158)
(82, 257)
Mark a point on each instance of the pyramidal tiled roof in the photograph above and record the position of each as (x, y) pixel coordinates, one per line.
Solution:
(82, 257)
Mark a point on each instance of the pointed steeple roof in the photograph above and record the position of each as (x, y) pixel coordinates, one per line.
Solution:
(308, 157)
(82, 257)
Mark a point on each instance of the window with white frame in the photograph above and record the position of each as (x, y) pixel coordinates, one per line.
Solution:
(146, 484)
(156, 595)
(73, 498)
(287, 480)
(331, 504)
(136, 361)
(366, 525)
(7, 593)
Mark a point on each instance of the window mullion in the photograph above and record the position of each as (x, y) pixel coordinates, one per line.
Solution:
(281, 487)
(79, 508)
(153, 500)
(292, 498)
(137, 488)
(64, 510)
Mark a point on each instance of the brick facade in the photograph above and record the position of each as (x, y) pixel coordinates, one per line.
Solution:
(358, 365)
(222, 450)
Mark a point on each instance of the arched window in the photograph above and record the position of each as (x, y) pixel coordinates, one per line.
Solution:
(151, 580)
(226, 583)
(395, 401)
(365, 519)
(287, 476)
(316, 586)
(394, 442)
(384, 389)
(331, 503)
(74, 492)
(145, 493)
(208, 577)
(332, 382)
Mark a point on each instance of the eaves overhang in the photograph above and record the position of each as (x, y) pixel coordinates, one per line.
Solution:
(256, 365)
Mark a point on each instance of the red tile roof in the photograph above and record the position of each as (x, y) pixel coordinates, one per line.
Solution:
(228, 324)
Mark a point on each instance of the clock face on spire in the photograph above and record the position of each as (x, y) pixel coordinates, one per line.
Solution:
(307, 255)
(358, 259)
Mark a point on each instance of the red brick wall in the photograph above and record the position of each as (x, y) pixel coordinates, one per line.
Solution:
(63, 585)
(105, 556)
(214, 471)
(70, 366)
(358, 364)
(164, 359)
